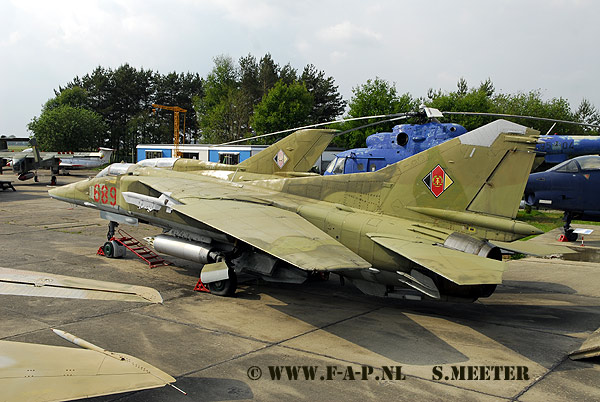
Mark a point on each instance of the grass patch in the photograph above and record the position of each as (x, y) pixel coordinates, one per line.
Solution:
(546, 220)
(18, 148)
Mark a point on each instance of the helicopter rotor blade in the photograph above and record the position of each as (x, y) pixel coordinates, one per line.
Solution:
(406, 116)
(522, 117)
(392, 117)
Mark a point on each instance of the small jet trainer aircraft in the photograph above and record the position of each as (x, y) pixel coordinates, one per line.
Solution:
(84, 160)
(26, 163)
(406, 140)
(572, 187)
(434, 223)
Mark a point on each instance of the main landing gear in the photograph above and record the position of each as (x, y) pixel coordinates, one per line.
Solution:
(569, 235)
(225, 287)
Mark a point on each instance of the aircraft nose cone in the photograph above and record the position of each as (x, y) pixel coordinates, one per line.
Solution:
(63, 193)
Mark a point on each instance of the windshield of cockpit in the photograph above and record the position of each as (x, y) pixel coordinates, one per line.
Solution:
(589, 162)
(336, 166)
(116, 169)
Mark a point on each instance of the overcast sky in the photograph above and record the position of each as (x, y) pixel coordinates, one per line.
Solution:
(551, 45)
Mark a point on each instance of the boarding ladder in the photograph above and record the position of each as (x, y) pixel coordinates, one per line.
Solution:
(139, 249)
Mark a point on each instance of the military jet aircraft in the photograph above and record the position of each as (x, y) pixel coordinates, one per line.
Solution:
(572, 186)
(26, 163)
(406, 140)
(84, 160)
(435, 223)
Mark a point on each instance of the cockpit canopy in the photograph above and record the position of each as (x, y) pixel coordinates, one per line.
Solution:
(117, 169)
(336, 166)
(158, 162)
(588, 162)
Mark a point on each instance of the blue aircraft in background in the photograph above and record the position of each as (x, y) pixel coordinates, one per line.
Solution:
(572, 186)
(559, 148)
(386, 148)
(406, 140)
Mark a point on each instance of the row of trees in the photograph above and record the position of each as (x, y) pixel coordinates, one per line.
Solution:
(251, 97)
(377, 97)
(256, 97)
(113, 108)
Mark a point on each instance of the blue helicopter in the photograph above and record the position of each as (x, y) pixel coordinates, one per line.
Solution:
(406, 140)
(572, 186)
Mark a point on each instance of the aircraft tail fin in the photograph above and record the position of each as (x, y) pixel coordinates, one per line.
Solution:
(36, 150)
(297, 152)
(483, 171)
(106, 154)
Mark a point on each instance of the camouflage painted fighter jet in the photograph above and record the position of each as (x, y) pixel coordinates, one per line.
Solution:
(434, 223)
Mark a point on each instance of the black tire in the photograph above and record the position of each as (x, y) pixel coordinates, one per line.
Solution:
(108, 249)
(570, 235)
(225, 287)
(53, 181)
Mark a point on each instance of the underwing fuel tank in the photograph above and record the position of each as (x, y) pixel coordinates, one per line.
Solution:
(188, 250)
(26, 176)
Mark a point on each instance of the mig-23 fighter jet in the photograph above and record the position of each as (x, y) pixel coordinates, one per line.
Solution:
(434, 223)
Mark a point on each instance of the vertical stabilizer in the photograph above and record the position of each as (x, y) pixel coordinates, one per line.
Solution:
(36, 150)
(297, 152)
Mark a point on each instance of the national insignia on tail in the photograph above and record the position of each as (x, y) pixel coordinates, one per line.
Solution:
(280, 158)
(437, 181)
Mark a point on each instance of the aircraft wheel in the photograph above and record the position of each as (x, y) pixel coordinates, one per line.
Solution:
(225, 287)
(53, 181)
(570, 235)
(108, 249)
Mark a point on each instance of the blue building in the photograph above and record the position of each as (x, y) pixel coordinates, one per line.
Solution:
(229, 154)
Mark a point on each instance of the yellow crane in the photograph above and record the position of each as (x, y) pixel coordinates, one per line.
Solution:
(176, 110)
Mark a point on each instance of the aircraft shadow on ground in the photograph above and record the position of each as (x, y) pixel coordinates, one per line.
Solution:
(539, 333)
(526, 287)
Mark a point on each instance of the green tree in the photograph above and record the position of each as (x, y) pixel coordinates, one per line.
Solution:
(375, 97)
(268, 74)
(67, 128)
(532, 104)
(285, 106)
(219, 114)
(74, 96)
(588, 113)
(328, 103)
(175, 89)
(123, 97)
(478, 99)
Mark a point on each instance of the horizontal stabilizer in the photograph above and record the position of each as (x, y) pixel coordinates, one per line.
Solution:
(527, 247)
(456, 266)
(31, 283)
(31, 372)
